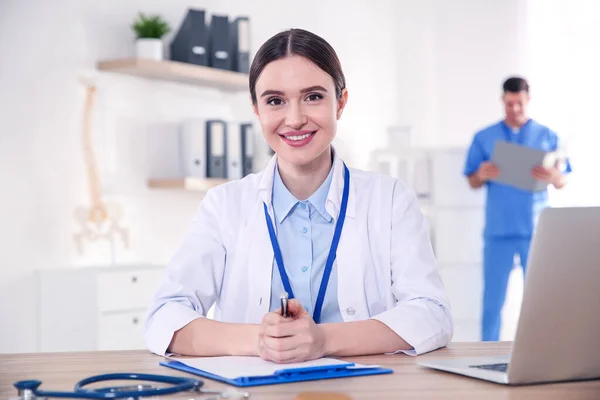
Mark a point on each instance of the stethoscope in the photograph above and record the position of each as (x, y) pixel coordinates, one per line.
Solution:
(29, 390)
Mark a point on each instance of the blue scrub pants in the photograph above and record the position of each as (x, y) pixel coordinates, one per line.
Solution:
(498, 256)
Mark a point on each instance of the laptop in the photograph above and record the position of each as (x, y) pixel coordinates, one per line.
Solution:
(558, 333)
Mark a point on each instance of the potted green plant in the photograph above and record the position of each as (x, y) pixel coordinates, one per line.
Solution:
(149, 30)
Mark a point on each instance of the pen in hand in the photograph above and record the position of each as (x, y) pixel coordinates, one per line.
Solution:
(284, 305)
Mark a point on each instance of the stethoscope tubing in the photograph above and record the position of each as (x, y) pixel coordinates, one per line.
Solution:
(178, 384)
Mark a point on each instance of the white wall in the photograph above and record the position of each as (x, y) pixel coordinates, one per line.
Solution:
(453, 60)
(563, 61)
(433, 64)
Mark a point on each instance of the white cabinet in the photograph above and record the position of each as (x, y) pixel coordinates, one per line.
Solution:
(449, 185)
(457, 213)
(467, 330)
(101, 308)
(121, 331)
(459, 235)
(464, 288)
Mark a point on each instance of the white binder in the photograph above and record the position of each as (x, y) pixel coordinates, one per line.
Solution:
(234, 151)
(192, 141)
(216, 132)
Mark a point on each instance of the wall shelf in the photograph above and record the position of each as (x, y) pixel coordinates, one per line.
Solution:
(191, 184)
(174, 71)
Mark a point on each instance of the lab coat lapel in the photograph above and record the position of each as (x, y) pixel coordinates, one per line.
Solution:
(260, 255)
(260, 263)
(334, 197)
(348, 269)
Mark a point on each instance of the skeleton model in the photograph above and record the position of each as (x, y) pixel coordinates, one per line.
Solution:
(100, 220)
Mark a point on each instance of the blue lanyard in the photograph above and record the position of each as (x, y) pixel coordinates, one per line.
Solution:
(330, 258)
(520, 136)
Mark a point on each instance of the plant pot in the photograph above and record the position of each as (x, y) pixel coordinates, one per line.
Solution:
(149, 49)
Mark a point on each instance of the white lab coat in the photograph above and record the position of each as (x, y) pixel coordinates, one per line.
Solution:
(386, 267)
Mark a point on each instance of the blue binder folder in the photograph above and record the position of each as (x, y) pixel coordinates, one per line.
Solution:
(284, 375)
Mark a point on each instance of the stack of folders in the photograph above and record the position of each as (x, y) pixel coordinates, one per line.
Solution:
(254, 371)
(216, 149)
(222, 43)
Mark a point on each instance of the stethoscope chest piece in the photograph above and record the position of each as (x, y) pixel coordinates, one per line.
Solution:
(26, 389)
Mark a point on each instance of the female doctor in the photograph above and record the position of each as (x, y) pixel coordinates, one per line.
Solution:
(350, 247)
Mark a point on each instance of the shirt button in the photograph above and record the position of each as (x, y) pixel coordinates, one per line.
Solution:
(304, 230)
(304, 269)
(350, 311)
(303, 206)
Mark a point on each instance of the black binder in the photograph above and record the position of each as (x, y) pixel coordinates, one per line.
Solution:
(247, 148)
(190, 44)
(240, 44)
(219, 43)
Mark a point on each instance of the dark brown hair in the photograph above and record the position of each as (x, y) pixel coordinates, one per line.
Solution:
(300, 43)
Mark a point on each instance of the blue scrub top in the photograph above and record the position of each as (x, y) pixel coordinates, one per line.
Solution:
(511, 212)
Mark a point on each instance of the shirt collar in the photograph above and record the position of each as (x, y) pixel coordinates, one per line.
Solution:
(319, 197)
(284, 201)
(334, 197)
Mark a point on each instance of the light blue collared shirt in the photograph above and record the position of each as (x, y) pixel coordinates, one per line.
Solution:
(304, 232)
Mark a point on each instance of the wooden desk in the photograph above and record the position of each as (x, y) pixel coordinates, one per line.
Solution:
(61, 371)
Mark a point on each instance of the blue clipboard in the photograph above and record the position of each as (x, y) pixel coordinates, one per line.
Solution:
(285, 375)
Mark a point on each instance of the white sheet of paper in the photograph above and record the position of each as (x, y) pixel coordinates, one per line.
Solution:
(232, 367)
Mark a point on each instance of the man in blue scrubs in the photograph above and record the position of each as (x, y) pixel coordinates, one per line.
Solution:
(511, 213)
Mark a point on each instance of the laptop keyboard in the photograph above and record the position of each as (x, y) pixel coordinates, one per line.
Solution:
(492, 367)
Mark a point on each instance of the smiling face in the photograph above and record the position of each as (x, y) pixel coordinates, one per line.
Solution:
(515, 106)
(298, 109)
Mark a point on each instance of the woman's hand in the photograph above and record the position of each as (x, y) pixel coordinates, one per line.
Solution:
(293, 339)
